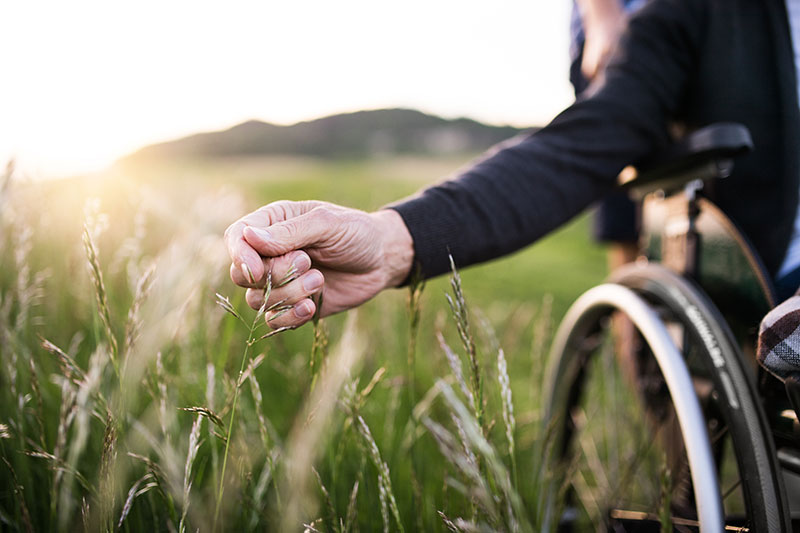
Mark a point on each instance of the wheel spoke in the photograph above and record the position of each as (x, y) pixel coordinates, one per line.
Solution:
(719, 434)
(633, 464)
(731, 489)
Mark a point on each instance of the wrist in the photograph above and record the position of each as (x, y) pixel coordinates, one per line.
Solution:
(397, 246)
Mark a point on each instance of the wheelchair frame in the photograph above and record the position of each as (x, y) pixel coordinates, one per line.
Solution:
(745, 397)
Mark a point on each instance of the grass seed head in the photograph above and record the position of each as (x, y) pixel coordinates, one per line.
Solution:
(226, 304)
(101, 296)
(207, 413)
(133, 493)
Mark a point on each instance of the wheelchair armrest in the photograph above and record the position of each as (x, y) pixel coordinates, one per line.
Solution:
(703, 154)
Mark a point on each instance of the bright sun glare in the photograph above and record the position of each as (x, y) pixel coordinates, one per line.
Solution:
(89, 81)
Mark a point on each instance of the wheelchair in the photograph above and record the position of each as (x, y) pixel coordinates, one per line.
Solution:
(658, 417)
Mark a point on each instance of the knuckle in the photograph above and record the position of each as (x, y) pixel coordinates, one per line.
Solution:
(283, 208)
(321, 211)
(274, 211)
(310, 205)
(325, 214)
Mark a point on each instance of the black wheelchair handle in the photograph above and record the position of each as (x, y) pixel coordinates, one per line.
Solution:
(703, 154)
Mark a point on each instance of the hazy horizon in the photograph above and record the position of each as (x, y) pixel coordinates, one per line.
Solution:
(91, 82)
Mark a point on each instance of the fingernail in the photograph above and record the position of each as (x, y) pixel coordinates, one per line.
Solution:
(303, 309)
(248, 274)
(312, 281)
(264, 235)
(301, 262)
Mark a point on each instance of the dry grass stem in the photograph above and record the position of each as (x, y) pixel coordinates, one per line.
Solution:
(287, 278)
(319, 346)
(62, 466)
(329, 508)
(207, 413)
(477, 490)
(455, 366)
(19, 497)
(515, 514)
(277, 305)
(351, 509)
(226, 304)
(194, 446)
(270, 334)
(384, 478)
(37, 394)
(458, 306)
(102, 298)
(507, 404)
(280, 311)
(258, 401)
(108, 460)
(414, 308)
(133, 325)
(69, 367)
(134, 492)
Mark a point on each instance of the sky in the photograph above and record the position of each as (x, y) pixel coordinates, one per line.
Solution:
(85, 82)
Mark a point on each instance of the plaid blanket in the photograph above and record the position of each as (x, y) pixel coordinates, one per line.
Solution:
(779, 339)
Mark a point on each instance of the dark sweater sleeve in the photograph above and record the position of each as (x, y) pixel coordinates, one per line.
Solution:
(526, 187)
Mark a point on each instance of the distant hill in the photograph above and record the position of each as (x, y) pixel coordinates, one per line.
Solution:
(359, 134)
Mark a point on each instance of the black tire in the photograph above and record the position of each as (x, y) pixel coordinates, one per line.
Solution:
(739, 435)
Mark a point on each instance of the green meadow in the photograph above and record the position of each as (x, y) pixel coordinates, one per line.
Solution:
(136, 393)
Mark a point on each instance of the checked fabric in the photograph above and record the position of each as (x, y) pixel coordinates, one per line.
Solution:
(779, 339)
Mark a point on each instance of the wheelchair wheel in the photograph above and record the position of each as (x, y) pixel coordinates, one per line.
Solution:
(654, 422)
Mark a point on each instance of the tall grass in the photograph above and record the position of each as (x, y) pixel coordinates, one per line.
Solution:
(121, 401)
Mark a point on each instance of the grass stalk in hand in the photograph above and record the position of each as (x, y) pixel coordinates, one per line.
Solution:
(251, 339)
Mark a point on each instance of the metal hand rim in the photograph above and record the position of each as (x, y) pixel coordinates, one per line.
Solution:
(597, 302)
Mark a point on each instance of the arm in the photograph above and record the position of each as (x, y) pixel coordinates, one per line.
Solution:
(505, 201)
(534, 184)
(603, 22)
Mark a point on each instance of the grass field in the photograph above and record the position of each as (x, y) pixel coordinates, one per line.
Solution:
(122, 406)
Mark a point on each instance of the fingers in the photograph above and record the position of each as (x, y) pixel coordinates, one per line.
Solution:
(254, 298)
(302, 231)
(247, 267)
(298, 315)
(244, 258)
(278, 269)
(294, 291)
(288, 293)
(289, 304)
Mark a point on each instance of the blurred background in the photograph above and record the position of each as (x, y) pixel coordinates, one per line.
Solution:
(87, 82)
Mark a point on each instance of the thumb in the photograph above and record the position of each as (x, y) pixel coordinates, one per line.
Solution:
(300, 232)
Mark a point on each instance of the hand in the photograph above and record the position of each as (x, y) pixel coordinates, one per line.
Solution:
(603, 23)
(313, 246)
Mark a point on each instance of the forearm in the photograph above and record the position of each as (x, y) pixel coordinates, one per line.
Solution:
(523, 191)
(508, 200)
